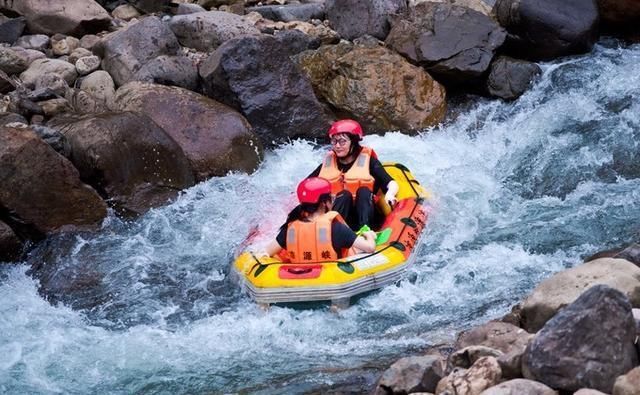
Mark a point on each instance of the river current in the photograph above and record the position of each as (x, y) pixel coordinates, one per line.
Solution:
(520, 191)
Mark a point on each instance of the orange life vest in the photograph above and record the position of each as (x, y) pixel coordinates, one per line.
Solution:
(357, 176)
(309, 242)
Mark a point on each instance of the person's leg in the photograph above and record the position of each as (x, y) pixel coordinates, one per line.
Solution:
(343, 203)
(364, 207)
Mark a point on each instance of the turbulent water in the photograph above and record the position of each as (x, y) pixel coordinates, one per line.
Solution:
(519, 191)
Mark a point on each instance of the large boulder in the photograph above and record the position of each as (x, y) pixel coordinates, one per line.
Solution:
(455, 44)
(375, 85)
(256, 76)
(206, 31)
(127, 157)
(588, 344)
(509, 78)
(10, 245)
(547, 29)
(519, 387)
(76, 17)
(563, 288)
(412, 374)
(215, 138)
(620, 15)
(126, 51)
(356, 18)
(42, 189)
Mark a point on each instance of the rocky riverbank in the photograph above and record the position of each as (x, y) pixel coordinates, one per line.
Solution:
(120, 105)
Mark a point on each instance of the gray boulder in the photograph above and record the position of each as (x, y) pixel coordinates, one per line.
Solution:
(291, 12)
(455, 44)
(257, 76)
(170, 70)
(509, 78)
(588, 344)
(215, 138)
(547, 29)
(126, 51)
(39, 42)
(206, 31)
(11, 28)
(412, 374)
(356, 18)
(13, 61)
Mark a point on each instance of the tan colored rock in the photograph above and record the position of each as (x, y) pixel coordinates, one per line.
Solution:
(376, 86)
(520, 387)
(77, 54)
(100, 85)
(56, 106)
(87, 65)
(485, 373)
(63, 45)
(629, 384)
(89, 41)
(39, 67)
(125, 12)
(564, 287)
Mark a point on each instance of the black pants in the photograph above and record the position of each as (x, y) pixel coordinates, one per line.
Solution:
(356, 212)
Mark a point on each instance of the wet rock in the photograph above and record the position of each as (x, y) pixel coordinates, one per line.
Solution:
(484, 373)
(39, 42)
(586, 345)
(87, 64)
(356, 18)
(124, 52)
(127, 158)
(520, 387)
(100, 86)
(560, 290)
(215, 138)
(42, 189)
(631, 253)
(40, 67)
(74, 17)
(628, 384)
(13, 61)
(376, 86)
(11, 29)
(412, 374)
(619, 16)
(547, 29)
(291, 12)
(10, 244)
(509, 78)
(125, 12)
(170, 70)
(206, 31)
(256, 76)
(455, 44)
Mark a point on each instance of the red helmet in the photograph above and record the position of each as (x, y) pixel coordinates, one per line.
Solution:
(310, 189)
(348, 126)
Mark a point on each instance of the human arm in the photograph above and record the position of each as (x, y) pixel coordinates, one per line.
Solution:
(366, 242)
(385, 181)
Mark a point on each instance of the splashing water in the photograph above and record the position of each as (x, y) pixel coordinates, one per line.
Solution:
(520, 190)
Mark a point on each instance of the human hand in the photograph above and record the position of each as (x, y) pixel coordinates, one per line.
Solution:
(390, 198)
(369, 235)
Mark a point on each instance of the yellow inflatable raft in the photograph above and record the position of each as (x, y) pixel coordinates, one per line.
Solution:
(271, 280)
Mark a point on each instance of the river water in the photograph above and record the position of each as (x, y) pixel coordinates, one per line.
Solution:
(519, 191)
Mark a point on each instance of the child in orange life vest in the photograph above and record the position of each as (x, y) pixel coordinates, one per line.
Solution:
(314, 233)
(355, 174)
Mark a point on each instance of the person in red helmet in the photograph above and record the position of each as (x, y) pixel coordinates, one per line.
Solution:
(355, 174)
(314, 233)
